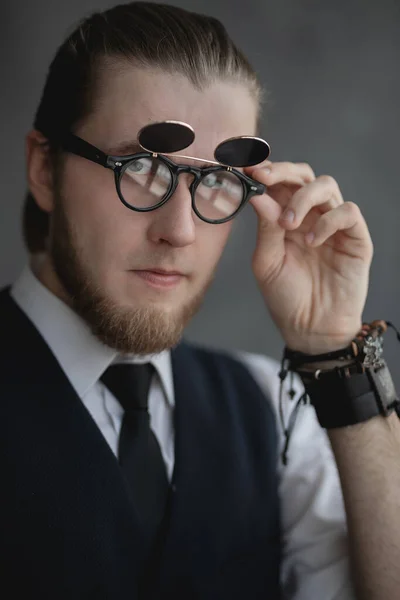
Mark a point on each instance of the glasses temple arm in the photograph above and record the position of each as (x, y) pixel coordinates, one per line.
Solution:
(76, 145)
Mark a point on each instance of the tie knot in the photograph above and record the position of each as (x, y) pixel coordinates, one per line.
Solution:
(129, 383)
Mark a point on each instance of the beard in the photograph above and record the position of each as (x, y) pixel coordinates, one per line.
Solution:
(140, 330)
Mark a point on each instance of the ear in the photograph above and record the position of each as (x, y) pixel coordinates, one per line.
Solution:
(39, 170)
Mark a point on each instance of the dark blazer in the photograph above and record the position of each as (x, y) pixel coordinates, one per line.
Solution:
(67, 528)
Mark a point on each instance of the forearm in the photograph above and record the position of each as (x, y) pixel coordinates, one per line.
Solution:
(368, 459)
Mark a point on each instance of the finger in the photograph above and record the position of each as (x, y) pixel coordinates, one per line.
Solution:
(324, 192)
(267, 209)
(347, 218)
(283, 172)
(270, 247)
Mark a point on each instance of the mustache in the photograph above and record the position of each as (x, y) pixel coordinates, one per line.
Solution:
(165, 261)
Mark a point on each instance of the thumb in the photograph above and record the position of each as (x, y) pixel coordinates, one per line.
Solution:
(269, 253)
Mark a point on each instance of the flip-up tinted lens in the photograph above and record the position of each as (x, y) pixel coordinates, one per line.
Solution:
(242, 151)
(168, 136)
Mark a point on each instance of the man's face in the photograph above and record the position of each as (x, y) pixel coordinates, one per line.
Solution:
(102, 253)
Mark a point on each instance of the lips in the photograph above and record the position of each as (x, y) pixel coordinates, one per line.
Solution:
(162, 271)
(159, 278)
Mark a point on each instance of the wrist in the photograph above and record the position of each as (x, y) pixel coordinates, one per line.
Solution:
(320, 344)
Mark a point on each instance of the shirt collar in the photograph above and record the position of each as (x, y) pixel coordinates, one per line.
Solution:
(81, 355)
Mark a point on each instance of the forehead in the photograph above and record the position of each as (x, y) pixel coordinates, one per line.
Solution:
(128, 98)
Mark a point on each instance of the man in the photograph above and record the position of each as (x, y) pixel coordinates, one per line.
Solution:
(94, 503)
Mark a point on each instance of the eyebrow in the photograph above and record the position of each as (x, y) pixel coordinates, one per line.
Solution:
(125, 148)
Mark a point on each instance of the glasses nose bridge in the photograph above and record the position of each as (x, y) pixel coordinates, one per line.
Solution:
(195, 171)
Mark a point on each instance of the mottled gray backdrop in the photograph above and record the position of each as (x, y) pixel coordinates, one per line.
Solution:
(332, 71)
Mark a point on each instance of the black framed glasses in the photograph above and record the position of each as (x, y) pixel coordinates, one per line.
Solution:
(146, 180)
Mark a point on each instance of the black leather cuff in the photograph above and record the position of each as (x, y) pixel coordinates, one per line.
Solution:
(342, 398)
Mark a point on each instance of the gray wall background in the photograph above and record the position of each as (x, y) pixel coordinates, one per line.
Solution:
(331, 68)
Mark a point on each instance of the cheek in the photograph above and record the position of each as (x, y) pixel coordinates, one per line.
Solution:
(104, 228)
(211, 243)
(88, 189)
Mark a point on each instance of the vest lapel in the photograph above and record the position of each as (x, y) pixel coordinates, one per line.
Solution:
(223, 537)
(199, 468)
(72, 472)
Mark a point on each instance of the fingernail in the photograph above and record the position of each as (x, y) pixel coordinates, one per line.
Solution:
(288, 216)
(267, 170)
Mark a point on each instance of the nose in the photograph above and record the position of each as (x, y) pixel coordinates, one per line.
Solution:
(174, 222)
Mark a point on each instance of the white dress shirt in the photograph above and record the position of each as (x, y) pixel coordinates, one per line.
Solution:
(315, 561)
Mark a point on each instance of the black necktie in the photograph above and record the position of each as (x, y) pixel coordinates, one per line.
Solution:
(139, 451)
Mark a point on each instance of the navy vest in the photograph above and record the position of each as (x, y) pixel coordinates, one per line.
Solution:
(67, 529)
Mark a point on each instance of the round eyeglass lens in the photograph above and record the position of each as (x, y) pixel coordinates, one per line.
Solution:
(144, 182)
(219, 195)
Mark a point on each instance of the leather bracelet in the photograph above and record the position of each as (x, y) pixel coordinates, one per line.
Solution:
(298, 359)
(345, 387)
(352, 394)
(368, 340)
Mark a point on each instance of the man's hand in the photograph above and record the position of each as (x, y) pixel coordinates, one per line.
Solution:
(312, 257)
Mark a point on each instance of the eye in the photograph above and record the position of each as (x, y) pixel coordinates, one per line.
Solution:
(212, 180)
(142, 166)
